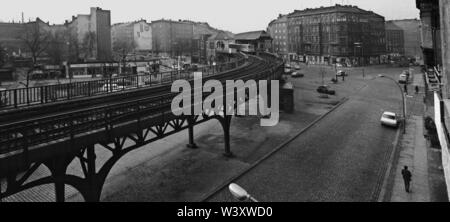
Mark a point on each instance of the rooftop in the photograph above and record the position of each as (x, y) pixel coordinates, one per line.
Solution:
(331, 9)
(252, 35)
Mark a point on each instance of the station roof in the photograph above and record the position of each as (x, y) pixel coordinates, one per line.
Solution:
(254, 35)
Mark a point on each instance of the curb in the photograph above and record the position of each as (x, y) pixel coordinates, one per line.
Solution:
(389, 171)
(278, 148)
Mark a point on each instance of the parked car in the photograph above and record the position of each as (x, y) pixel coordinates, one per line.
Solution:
(403, 79)
(341, 73)
(297, 75)
(326, 90)
(112, 88)
(433, 80)
(390, 119)
(3, 97)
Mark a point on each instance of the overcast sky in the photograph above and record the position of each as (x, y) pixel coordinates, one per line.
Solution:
(232, 15)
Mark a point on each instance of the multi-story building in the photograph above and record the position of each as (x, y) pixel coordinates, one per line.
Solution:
(411, 30)
(138, 34)
(339, 33)
(395, 40)
(180, 38)
(93, 33)
(173, 38)
(435, 42)
(278, 30)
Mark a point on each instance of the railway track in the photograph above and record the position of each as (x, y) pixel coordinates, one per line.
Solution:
(48, 127)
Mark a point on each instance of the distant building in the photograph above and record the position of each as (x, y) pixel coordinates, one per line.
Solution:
(93, 33)
(260, 40)
(218, 44)
(86, 37)
(339, 33)
(181, 38)
(278, 30)
(411, 30)
(172, 38)
(395, 40)
(138, 32)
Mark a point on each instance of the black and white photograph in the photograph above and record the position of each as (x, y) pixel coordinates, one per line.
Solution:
(224, 103)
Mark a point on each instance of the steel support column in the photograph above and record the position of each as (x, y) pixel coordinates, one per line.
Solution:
(191, 123)
(58, 167)
(93, 191)
(226, 124)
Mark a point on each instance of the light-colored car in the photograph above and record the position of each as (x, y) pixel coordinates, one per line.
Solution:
(341, 73)
(112, 88)
(403, 79)
(390, 119)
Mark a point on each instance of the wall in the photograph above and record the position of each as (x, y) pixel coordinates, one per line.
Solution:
(445, 44)
(142, 36)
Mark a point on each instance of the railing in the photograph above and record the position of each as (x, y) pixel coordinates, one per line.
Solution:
(15, 98)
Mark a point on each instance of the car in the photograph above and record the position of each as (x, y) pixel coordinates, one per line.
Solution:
(297, 67)
(3, 97)
(326, 90)
(112, 88)
(390, 119)
(433, 80)
(403, 79)
(297, 75)
(341, 73)
(339, 65)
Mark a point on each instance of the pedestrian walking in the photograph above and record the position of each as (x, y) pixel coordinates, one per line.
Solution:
(407, 177)
(417, 89)
(405, 87)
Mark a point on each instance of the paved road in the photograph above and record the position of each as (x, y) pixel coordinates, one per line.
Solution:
(342, 158)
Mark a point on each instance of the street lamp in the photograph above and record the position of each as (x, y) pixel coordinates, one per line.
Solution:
(359, 45)
(403, 99)
(239, 193)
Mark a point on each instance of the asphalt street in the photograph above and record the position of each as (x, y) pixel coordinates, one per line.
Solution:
(342, 158)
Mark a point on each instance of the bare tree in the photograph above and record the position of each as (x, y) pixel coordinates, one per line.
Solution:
(88, 45)
(56, 47)
(36, 40)
(122, 48)
(3, 55)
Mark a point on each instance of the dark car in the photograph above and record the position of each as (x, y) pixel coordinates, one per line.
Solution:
(326, 90)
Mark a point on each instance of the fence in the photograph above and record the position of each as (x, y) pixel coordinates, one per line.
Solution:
(14, 98)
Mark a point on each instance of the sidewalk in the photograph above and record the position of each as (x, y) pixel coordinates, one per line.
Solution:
(424, 162)
(413, 153)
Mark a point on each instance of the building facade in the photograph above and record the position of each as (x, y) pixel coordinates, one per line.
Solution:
(139, 33)
(435, 43)
(218, 46)
(278, 30)
(411, 30)
(93, 34)
(172, 38)
(260, 40)
(340, 33)
(395, 40)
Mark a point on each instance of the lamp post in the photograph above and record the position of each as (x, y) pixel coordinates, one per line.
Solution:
(359, 45)
(403, 100)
